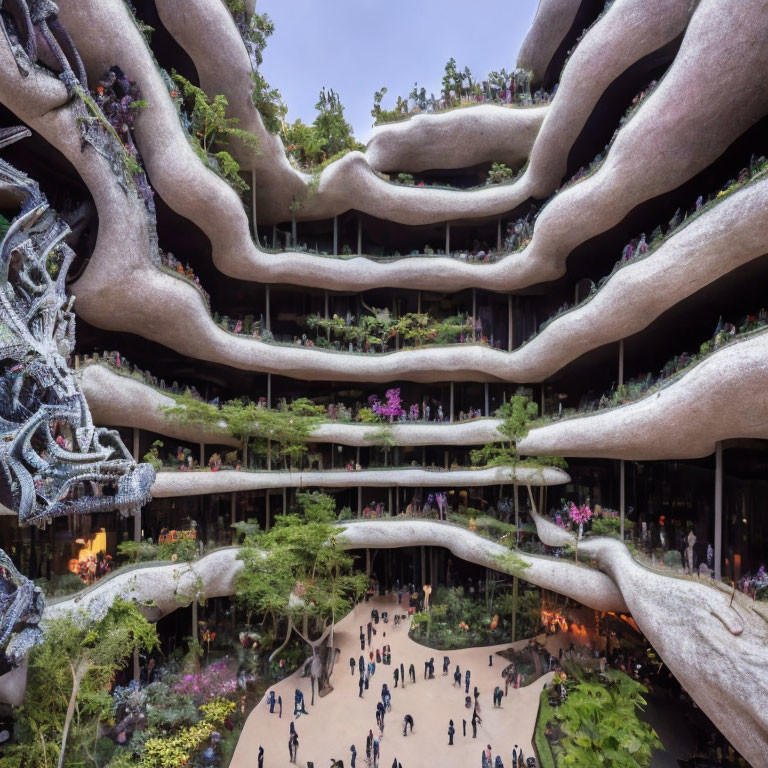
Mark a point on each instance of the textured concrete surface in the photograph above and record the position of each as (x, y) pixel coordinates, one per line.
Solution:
(714, 646)
(122, 401)
(176, 483)
(721, 398)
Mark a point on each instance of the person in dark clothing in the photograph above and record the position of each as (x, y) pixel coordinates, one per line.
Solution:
(370, 629)
(360, 684)
(361, 664)
(402, 675)
(446, 664)
(477, 694)
(362, 639)
(412, 673)
(407, 721)
(457, 676)
(271, 702)
(463, 727)
(426, 669)
(475, 720)
(353, 757)
(351, 665)
(432, 668)
(466, 681)
(490, 660)
(280, 706)
(396, 674)
(451, 732)
(261, 757)
(368, 745)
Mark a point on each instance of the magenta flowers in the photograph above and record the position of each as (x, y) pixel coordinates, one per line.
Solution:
(393, 408)
(579, 515)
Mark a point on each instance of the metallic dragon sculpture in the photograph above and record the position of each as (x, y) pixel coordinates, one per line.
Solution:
(53, 461)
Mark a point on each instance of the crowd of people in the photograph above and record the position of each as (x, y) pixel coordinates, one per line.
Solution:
(375, 660)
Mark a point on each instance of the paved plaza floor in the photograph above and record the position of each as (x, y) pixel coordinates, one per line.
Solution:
(341, 718)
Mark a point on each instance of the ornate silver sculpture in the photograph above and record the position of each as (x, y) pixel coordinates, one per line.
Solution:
(53, 461)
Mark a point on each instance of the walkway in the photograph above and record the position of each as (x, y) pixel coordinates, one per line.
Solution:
(341, 718)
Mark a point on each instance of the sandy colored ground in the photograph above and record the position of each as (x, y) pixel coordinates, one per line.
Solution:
(341, 718)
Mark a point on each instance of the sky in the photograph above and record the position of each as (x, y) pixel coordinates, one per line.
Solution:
(358, 46)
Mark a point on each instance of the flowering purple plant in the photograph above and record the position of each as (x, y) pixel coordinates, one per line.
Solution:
(209, 683)
(393, 408)
(579, 515)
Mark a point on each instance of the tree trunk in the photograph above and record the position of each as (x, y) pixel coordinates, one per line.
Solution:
(78, 673)
(285, 642)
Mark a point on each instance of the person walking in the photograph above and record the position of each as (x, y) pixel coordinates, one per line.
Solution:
(402, 675)
(368, 746)
(457, 676)
(280, 707)
(475, 720)
(463, 727)
(352, 665)
(446, 664)
(379, 714)
(396, 675)
(295, 746)
(353, 756)
(514, 757)
(451, 732)
(370, 629)
(412, 673)
(361, 664)
(407, 721)
(426, 669)
(375, 753)
(362, 639)
(490, 660)
(432, 668)
(360, 684)
(261, 757)
(466, 681)
(298, 704)
(498, 763)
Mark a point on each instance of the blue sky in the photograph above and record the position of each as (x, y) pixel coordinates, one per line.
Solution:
(357, 46)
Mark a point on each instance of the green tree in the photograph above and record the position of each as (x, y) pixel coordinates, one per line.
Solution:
(212, 128)
(69, 674)
(299, 575)
(451, 80)
(331, 125)
(242, 417)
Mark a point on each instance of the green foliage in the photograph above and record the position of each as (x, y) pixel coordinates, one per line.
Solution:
(212, 128)
(153, 455)
(299, 572)
(500, 173)
(599, 723)
(74, 667)
(609, 526)
(329, 135)
(176, 750)
(190, 410)
(4, 224)
(137, 551)
(543, 750)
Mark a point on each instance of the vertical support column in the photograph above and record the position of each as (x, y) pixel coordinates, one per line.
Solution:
(498, 236)
(359, 236)
(269, 390)
(267, 319)
(137, 525)
(326, 305)
(193, 633)
(542, 399)
(357, 456)
(136, 667)
(294, 233)
(285, 500)
(487, 401)
(423, 568)
(359, 501)
(510, 323)
(515, 592)
(266, 519)
(253, 206)
(274, 237)
(447, 238)
(621, 362)
(368, 561)
(233, 508)
(451, 411)
(423, 456)
(389, 500)
(418, 302)
(335, 235)
(622, 495)
(202, 455)
(718, 511)
(474, 314)
(136, 436)
(517, 513)
(332, 457)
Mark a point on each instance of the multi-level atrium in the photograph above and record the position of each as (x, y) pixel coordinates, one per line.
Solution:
(484, 396)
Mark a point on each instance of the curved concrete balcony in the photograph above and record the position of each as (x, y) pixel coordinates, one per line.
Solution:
(196, 483)
(722, 397)
(122, 401)
(719, 240)
(159, 585)
(552, 22)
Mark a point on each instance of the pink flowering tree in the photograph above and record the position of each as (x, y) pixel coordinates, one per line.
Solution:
(579, 515)
(392, 408)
